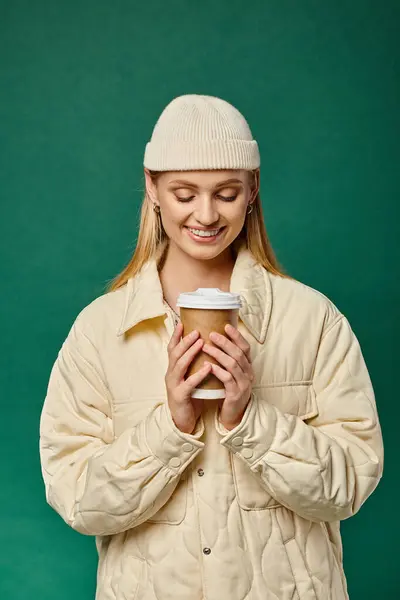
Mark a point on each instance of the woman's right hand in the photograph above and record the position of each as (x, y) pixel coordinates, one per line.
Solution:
(185, 410)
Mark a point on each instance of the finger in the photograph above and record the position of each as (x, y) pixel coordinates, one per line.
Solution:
(237, 337)
(177, 348)
(183, 363)
(229, 363)
(227, 378)
(231, 349)
(194, 380)
(176, 335)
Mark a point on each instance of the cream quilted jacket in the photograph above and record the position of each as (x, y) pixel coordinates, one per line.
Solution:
(250, 514)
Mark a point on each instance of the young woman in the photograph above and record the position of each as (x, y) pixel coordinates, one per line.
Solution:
(191, 499)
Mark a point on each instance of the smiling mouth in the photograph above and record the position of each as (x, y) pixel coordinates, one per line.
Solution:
(206, 235)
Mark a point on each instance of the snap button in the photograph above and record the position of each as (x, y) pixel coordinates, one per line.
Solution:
(247, 452)
(200, 472)
(207, 551)
(175, 461)
(237, 441)
(187, 447)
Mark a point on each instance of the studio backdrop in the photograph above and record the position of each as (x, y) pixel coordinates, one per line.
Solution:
(82, 84)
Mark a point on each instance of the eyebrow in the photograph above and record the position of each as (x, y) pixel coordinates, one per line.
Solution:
(192, 185)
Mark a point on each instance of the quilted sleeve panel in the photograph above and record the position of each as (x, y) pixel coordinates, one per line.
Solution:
(325, 468)
(98, 484)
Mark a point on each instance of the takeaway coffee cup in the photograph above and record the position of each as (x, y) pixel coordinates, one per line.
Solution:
(207, 310)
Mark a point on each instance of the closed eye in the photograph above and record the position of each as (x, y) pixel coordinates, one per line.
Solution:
(227, 198)
(184, 199)
(224, 198)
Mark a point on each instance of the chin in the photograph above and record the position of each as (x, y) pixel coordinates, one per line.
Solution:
(204, 252)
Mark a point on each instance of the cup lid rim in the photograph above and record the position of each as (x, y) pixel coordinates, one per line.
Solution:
(211, 298)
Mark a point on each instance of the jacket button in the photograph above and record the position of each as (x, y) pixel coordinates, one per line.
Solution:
(175, 461)
(206, 551)
(237, 441)
(247, 452)
(187, 447)
(200, 472)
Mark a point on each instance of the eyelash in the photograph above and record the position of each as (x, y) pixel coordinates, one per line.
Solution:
(225, 198)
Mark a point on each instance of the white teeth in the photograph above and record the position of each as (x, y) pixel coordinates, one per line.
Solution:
(201, 233)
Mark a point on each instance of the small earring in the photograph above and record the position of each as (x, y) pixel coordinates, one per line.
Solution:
(156, 208)
(250, 208)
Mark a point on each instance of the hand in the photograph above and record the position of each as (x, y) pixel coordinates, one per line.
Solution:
(184, 410)
(237, 376)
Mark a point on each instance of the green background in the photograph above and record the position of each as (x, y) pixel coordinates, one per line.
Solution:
(82, 84)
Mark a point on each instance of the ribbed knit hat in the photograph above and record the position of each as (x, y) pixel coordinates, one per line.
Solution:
(201, 132)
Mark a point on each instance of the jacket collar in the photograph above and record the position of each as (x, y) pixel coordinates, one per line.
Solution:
(144, 295)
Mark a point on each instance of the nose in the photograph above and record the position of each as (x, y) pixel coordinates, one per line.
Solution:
(206, 212)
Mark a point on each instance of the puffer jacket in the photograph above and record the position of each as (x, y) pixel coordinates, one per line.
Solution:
(247, 514)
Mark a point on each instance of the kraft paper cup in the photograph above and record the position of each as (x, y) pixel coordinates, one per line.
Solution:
(207, 310)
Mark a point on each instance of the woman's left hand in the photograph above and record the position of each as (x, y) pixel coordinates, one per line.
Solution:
(237, 375)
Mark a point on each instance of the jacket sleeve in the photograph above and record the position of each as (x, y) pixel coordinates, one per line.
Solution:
(326, 468)
(98, 484)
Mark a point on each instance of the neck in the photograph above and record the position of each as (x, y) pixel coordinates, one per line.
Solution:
(183, 273)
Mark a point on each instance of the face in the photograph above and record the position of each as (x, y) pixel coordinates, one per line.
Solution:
(195, 204)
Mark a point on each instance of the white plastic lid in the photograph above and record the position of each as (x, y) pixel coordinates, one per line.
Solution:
(210, 298)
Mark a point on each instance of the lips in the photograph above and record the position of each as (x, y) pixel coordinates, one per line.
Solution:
(204, 239)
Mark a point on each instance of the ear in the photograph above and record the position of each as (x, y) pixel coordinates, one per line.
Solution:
(150, 187)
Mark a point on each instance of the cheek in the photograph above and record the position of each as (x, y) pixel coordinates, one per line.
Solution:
(236, 217)
(173, 219)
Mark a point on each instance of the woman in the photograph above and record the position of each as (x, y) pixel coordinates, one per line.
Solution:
(191, 499)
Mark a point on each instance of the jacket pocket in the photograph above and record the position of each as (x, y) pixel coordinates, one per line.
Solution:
(336, 565)
(174, 510)
(301, 576)
(297, 398)
(132, 580)
(250, 494)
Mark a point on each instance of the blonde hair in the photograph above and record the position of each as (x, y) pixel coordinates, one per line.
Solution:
(153, 241)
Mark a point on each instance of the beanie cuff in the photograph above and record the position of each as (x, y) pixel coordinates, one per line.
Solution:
(208, 154)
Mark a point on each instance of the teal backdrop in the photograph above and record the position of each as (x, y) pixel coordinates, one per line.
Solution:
(82, 84)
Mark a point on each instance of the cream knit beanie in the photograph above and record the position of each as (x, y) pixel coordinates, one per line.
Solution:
(201, 132)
